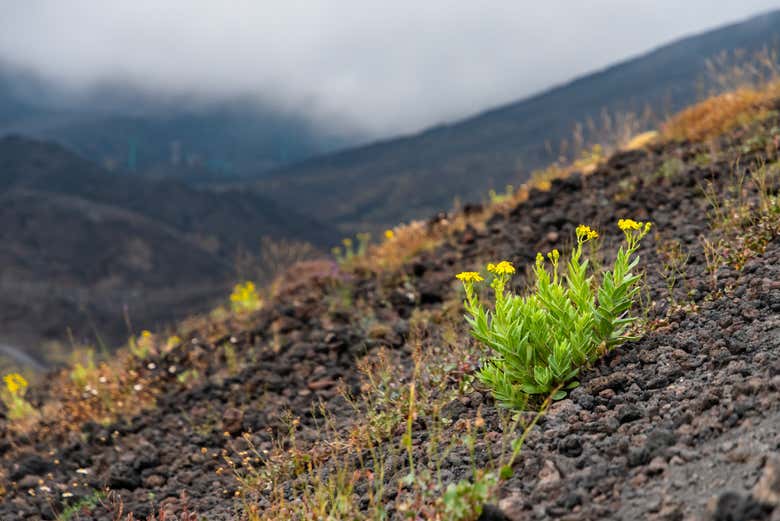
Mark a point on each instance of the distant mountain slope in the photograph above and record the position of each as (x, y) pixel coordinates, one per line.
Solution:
(380, 184)
(80, 247)
(232, 215)
(126, 130)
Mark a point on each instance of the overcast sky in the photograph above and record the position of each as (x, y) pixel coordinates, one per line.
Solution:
(380, 67)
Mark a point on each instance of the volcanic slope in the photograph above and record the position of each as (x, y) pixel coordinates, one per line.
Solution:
(679, 424)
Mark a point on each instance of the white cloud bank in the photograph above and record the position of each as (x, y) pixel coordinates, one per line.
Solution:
(379, 67)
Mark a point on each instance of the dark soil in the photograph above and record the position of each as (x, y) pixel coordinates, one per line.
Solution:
(679, 425)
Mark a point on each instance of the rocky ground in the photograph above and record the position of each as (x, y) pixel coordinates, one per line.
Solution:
(681, 424)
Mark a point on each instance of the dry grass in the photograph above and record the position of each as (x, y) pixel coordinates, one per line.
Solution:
(641, 140)
(273, 258)
(743, 90)
(744, 217)
(722, 113)
(171, 509)
(305, 275)
(101, 393)
(292, 479)
(399, 246)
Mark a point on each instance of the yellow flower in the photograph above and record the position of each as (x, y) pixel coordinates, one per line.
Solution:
(586, 233)
(629, 225)
(502, 268)
(469, 276)
(245, 297)
(554, 256)
(389, 234)
(15, 383)
(172, 341)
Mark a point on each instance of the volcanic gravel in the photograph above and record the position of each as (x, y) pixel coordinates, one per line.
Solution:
(682, 424)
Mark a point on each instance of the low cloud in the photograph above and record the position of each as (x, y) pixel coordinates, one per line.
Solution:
(376, 68)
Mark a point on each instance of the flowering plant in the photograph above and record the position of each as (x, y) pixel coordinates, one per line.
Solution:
(245, 298)
(540, 342)
(13, 396)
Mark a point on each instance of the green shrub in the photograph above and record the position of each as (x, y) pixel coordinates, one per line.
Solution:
(540, 342)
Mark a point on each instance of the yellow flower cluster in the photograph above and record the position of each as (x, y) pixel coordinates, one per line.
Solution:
(389, 234)
(502, 268)
(15, 383)
(629, 224)
(245, 297)
(243, 292)
(586, 233)
(469, 276)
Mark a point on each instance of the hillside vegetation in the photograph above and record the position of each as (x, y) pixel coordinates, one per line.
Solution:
(355, 391)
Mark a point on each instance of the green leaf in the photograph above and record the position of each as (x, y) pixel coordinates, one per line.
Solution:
(506, 472)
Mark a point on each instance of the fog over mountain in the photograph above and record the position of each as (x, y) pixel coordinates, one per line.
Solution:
(355, 68)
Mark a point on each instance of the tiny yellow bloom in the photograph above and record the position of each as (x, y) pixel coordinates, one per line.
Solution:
(172, 341)
(469, 276)
(502, 268)
(629, 225)
(389, 234)
(15, 383)
(554, 256)
(586, 233)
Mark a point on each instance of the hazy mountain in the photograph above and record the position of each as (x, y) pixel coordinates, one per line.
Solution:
(81, 247)
(124, 129)
(378, 185)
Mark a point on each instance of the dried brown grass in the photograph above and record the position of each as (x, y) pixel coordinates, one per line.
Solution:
(721, 113)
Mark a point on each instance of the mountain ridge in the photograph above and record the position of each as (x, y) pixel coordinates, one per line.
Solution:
(505, 143)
